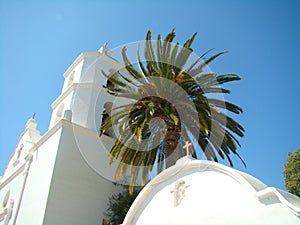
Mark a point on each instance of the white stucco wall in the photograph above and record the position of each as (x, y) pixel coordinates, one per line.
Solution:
(213, 195)
(37, 187)
(75, 71)
(26, 141)
(14, 187)
(85, 97)
(61, 187)
(78, 195)
(28, 181)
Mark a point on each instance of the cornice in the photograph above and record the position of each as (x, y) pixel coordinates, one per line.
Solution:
(79, 59)
(95, 55)
(73, 87)
(11, 177)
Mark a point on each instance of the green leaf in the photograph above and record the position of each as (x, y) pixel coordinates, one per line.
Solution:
(200, 68)
(198, 60)
(174, 118)
(205, 124)
(129, 67)
(114, 80)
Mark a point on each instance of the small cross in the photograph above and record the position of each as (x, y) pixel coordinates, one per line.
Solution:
(187, 147)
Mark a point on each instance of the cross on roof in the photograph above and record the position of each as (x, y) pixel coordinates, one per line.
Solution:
(33, 115)
(187, 147)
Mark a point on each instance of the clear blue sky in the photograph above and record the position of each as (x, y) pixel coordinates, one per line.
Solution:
(40, 39)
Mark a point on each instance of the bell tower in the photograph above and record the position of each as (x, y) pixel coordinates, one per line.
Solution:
(83, 98)
(64, 176)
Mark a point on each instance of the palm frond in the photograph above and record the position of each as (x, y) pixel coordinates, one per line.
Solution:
(204, 64)
(199, 118)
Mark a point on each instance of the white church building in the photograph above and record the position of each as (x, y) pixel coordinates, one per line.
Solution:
(201, 192)
(64, 178)
(47, 180)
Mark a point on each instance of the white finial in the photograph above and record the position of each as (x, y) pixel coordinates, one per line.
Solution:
(104, 50)
(31, 123)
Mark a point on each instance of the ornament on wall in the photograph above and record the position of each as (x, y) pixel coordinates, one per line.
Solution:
(6, 209)
(18, 154)
(179, 192)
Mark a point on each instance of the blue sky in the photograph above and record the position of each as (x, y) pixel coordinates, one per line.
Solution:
(40, 39)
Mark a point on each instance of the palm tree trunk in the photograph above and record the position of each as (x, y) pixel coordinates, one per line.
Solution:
(172, 152)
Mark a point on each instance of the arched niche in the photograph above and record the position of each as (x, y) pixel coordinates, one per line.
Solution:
(59, 113)
(105, 116)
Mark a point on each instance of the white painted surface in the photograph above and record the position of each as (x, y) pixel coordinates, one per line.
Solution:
(85, 96)
(63, 189)
(38, 182)
(52, 181)
(78, 195)
(27, 140)
(214, 194)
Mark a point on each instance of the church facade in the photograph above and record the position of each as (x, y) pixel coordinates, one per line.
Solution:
(55, 178)
(64, 176)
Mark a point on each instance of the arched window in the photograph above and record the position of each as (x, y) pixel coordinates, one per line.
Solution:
(59, 113)
(105, 117)
(113, 74)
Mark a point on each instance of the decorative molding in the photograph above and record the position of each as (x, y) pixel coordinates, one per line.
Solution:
(28, 158)
(19, 154)
(186, 165)
(75, 86)
(61, 124)
(6, 198)
(13, 176)
(65, 124)
(12, 155)
(179, 191)
(6, 211)
(16, 162)
(95, 55)
(82, 56)
(276, 195)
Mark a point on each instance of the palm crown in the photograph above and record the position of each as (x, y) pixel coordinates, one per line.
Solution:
(172, 99)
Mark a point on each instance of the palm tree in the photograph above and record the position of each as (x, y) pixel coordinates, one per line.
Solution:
(171, 99)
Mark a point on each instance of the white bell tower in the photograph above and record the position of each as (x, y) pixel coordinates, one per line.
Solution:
(83, 97)
(64, 176)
